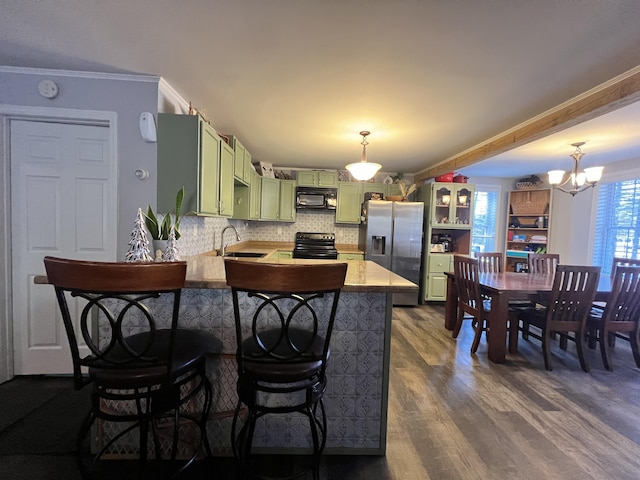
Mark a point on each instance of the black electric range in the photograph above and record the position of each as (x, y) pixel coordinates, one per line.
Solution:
(315, 246)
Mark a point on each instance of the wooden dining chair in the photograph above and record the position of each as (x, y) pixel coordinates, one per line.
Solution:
(147, 375)
(599, 305)
(544, 263)
(620, 314)
(539, 263)
(567, 310)
(489, 262)
(471, 305)
(623, 262)
(284, 316)
(474, 306)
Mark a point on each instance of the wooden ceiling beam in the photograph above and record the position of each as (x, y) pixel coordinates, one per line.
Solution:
(617, 93)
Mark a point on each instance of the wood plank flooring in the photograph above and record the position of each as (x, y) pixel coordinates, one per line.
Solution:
(452, 415)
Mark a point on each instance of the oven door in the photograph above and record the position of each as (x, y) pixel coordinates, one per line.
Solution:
(316, 254)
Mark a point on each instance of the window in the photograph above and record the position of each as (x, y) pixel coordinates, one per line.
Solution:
(617, 232)
(485, 215)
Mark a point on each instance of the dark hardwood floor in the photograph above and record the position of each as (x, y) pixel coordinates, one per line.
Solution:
(452, 415)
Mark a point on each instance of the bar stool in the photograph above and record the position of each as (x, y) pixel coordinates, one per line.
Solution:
(144, 377)
(284, 316)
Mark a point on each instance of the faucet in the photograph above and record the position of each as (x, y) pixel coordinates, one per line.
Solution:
(223, 247)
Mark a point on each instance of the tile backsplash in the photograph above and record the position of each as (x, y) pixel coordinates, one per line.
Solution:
(202, 234)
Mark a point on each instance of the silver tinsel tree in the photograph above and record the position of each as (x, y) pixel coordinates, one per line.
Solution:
(171, 250)
(138, 245)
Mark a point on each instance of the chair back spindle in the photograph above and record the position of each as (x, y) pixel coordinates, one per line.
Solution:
(490, 262)
(544, 263)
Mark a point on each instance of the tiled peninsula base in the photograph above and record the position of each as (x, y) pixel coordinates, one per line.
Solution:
(357, 392)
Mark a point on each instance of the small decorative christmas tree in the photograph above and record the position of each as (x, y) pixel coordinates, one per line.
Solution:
(138, 245)
(171, 251)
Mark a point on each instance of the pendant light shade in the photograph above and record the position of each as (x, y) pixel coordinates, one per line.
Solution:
(363, 170)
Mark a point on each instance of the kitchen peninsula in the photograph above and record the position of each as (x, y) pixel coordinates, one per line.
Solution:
(356, 398)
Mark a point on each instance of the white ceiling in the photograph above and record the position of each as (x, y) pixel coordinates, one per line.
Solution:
(296, 80)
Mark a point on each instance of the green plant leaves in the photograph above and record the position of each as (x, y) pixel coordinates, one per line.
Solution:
(160, 231)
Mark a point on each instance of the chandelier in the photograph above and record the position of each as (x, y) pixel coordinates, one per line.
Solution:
(577, 180)
(363, 170)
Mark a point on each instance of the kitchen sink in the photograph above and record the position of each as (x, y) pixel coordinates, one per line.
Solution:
(245, 255)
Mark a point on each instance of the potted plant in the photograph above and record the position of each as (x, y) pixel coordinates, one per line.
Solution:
(159, 231)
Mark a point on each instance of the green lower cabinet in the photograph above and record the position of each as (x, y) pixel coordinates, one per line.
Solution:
(350, 256)
(349, 206)
(282, 254)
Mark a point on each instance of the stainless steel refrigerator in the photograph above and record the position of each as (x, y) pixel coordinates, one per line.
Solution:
(391, 236)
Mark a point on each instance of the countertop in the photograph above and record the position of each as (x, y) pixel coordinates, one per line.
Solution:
(272, 247)
(207, 271)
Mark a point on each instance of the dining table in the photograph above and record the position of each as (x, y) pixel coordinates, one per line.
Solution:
(503, 288)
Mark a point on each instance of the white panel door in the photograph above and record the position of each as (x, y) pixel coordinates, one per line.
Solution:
(63, 203)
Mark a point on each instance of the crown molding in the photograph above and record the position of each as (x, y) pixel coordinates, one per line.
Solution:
(129, 77)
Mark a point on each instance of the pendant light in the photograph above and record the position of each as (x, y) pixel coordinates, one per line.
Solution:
(578, 180)
(363, 170)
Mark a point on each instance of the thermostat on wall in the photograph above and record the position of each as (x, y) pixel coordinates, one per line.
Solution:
(48, 89)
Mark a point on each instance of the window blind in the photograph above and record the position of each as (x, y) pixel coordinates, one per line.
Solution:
(485, 214)
(617, 223)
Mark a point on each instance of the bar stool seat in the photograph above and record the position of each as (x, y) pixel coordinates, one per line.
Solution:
(284, 316)
(145, 375)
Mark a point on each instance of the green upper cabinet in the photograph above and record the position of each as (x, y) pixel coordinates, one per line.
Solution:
(242, 161)
(270, 199)
(349, 202)
(189, 155)
(317, 178)
(226, 179)
(392, 189)
(278, 200)
(451, 205)
(287, 211)
(384, 188)
(255, 194)
(247, 199)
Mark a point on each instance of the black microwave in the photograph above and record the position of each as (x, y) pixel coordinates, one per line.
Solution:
(311, 198)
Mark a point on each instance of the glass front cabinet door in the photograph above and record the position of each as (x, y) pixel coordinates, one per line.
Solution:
(452, 205)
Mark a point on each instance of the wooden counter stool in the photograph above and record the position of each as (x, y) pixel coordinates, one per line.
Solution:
(145, 376)
(284, 315)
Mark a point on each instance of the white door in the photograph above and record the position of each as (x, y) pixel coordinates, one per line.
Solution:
(63, 203)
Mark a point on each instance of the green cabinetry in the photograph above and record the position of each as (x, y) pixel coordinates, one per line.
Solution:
(448, 220)
(287, 208)
(281, 254)
(242, 160)
(269, 199)
(349, 206)
(317, 178)
(191, 154)
(350, 256)
(247, 198)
